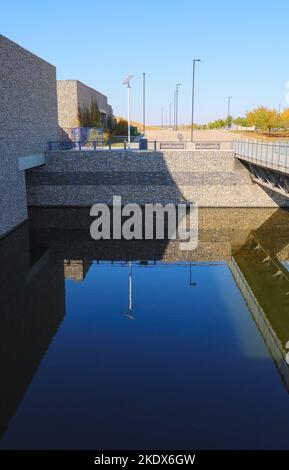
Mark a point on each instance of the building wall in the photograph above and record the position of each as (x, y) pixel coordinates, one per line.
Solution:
(67, 103)
(28, 120)
(83, 178)
(71, 95)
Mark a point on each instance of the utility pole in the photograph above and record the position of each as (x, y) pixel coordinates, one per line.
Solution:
(170, 123)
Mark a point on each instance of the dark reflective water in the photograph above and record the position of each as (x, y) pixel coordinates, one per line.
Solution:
(141, 345)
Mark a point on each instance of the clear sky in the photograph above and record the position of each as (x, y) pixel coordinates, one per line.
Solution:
(243, 46)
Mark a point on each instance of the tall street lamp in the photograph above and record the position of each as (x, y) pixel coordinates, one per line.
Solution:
(177, 103)
(229, 109)
(193, 98)
(127, 83)
(144, 104)
(174, 110)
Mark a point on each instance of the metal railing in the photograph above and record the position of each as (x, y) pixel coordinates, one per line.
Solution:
(273, 155)
(115, 142)
(77, 145)
(135, 144)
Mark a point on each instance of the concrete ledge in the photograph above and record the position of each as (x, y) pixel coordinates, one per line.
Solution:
(31, 161)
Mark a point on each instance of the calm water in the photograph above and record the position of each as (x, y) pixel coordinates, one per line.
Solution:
(140, 345)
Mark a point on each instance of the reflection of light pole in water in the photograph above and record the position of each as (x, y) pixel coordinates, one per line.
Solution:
(192, 284)
(129, 313)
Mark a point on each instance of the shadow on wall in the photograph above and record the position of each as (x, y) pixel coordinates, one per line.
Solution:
(82, 178)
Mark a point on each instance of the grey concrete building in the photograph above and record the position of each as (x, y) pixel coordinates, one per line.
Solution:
(72, 95)
(28, 121)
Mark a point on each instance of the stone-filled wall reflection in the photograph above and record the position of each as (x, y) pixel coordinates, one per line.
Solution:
(32, 299)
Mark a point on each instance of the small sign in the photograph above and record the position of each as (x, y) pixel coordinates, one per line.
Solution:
(208, 145)
(171, 145)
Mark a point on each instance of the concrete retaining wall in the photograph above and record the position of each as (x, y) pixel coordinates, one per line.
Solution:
(28, 120)
(83, 178)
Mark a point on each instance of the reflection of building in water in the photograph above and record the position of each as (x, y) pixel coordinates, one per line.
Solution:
(254, 242)
(76, 269)
(67, 233)
(264, 282)
(32, 308)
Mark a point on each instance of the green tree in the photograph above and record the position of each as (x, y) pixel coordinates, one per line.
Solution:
(218, 124)
(241, 121)
(229, 120)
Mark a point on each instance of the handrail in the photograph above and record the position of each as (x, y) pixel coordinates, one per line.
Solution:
(273, 155)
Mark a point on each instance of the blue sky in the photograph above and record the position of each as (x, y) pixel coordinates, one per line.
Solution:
(243, 47)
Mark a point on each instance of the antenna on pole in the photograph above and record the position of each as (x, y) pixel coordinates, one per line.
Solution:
(127, 83)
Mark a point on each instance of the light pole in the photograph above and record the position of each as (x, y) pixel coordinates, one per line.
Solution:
(174, 110)
(229, 106)
(162, 118)
(127, 83)
(144, 103)
(170, 124)
(193, 98)
(177, 103)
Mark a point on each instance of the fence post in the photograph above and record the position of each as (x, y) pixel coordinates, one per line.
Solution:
(94, 145)
(279, 156)
(155, 145)
(79, 144)
(109, 144)
(124, 145)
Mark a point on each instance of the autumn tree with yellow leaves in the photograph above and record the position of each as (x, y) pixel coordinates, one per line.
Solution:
(263, 118)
